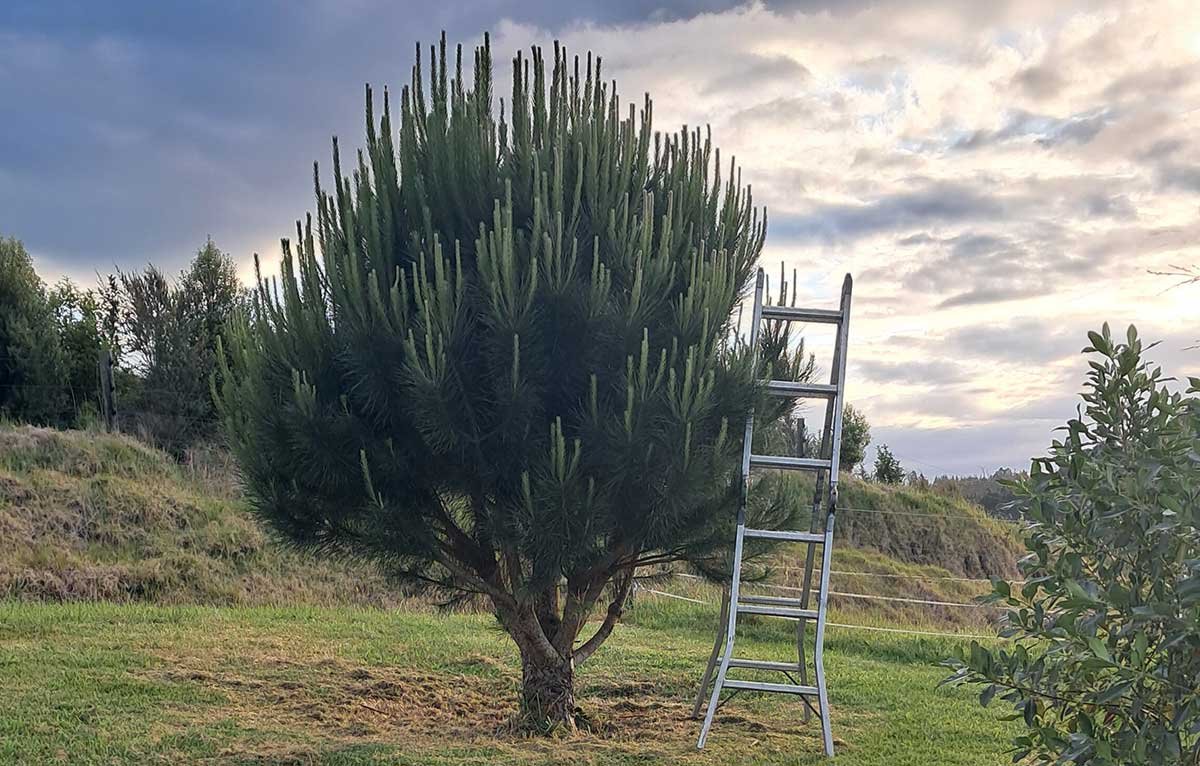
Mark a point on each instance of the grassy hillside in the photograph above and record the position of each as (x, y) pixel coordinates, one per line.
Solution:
(110, 684)
(923, 526)
(91, 516)
(86, 516)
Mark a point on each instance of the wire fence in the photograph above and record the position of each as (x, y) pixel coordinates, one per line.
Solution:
(926, 514)
(853, 626)
(905, 600)
(134, 414)
(884, 575)
(816, 573)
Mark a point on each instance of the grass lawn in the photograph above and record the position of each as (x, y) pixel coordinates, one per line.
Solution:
(126, 684)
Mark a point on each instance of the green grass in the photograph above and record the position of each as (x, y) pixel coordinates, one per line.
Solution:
(332, 679)
(133, 684)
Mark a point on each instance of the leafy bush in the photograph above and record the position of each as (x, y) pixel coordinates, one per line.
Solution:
(1107, 623)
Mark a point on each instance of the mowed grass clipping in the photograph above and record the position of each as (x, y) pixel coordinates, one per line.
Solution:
(134, 684)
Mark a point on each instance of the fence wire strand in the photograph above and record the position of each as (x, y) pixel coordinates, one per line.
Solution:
(850, 626)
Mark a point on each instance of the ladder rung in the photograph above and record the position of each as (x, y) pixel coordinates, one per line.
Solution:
(789, 463)
(771, 601)
(759, 686)
(778, 611)
(785, 534)
(793, 314)
(783, 667)
(795, 388)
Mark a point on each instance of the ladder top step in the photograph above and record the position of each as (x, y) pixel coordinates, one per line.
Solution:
(789, 463)
(778, 611)
(785, 534)
(783, 667)
(796, 388)
(759, 686)
(793, 314)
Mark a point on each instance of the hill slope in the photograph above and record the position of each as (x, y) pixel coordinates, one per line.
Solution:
(90, 516)
(86, 516)
(922, 526)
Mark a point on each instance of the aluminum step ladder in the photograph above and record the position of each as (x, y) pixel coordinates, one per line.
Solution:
(825, 465)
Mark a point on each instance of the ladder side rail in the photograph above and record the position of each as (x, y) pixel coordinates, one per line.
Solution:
(831, 434)
(827, 446)
(819, 649)
(827, 553)
(831, 447)
(839, 371)
(734, 585)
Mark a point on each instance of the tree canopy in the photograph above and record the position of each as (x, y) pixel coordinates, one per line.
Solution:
(501, 356)
(30, 354)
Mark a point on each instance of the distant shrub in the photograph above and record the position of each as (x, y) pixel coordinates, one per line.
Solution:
(856, 436)
(1106, 663)
(887, 468)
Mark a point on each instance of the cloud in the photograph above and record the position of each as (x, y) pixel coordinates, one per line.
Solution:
(937, 372)
(998, 177)
(993, 294)
(934, 202)
(1043, 130)
(1184, 177)
(1040, 82)
(759, 70)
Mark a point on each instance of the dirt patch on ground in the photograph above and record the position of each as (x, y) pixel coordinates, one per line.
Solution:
(329, 702)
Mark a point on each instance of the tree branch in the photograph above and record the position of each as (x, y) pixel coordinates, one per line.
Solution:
(615, 610)
(498, 595)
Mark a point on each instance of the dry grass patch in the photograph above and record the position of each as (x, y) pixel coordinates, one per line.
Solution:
(289, 708)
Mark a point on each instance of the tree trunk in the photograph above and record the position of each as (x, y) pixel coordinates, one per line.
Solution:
(547, 692)
(546, 637)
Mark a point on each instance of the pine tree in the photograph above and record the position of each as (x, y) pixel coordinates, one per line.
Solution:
(502, 360)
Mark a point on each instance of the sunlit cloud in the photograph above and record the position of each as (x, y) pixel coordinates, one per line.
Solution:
(999, 178)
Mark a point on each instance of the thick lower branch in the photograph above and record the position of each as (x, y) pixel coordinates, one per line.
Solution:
(624, 584)
(578, 606)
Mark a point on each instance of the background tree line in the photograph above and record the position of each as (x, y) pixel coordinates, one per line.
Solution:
(161, 334)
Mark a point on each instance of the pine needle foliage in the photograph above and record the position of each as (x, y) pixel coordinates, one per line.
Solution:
(501, 357)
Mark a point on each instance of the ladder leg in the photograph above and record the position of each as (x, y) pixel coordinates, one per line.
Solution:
(809, 560)
(823, 707)
(715, 698)
(837, 377)
(714, 656)
(819, 651)
(731, 610)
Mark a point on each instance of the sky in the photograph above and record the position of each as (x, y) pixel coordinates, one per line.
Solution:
(998, 177)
